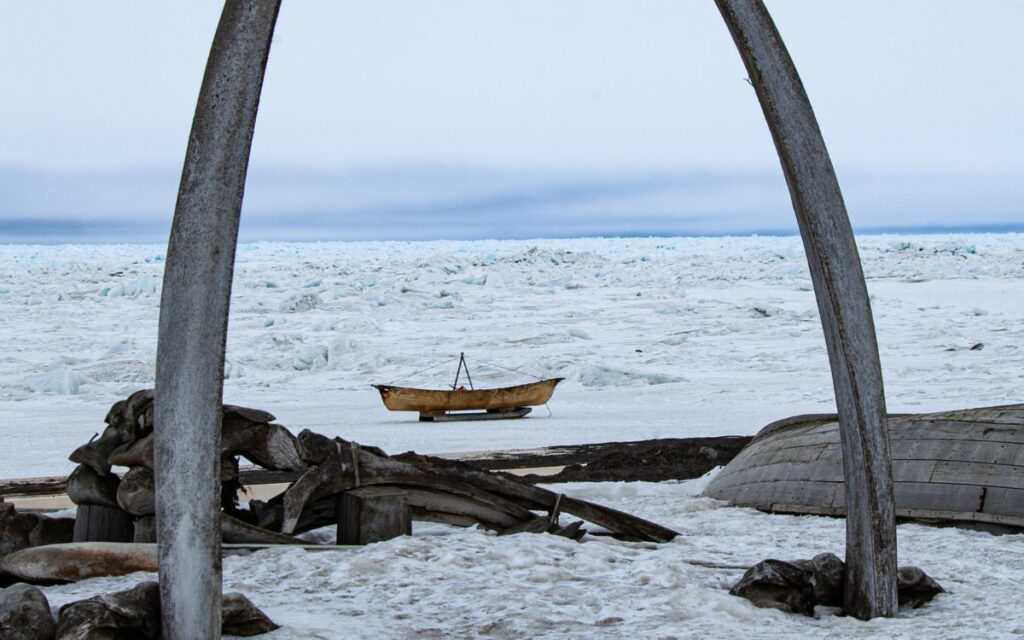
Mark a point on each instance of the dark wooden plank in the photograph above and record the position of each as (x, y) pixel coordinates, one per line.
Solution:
(943, 497)
(958, 450)
(958, 430)
(1004, 414)
(145, 529)
(979, 473)
(372, 514)
(1004, 501)
(764, 494)
(51, 486)
(749, 461)
(100, 523)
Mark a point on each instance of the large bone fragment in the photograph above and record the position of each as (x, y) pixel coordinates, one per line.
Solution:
(511, 488)
(271, 446)
(138, 453)
(23, 530)
(74, 561)
(137, 492)
(85, 486)
(94, 454)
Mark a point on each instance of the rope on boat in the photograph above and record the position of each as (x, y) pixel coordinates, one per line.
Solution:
(433, 366)
(461, 357)
(498, 366)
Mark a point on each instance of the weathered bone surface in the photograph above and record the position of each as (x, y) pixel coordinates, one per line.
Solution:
(511, 488)
(23, 530)
(25, 614)
(233, 413)
(85, 486)
(136, 492)
(843, 304)
(74, 561)
(137, 415)
(242, 618)
(194, 317)
(269, 445)
(235, 530)
(134, 613)
(138, 453)
(435, 489)
(94, 454)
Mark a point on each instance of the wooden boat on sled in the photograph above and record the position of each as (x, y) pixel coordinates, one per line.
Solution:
(443, 405)
(439, 404)
(955, 467)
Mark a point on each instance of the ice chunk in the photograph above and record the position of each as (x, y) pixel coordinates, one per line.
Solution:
(301, 302)
(61, 380)
(608, 377)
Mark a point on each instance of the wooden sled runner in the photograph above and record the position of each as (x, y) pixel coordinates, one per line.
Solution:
(459, 403)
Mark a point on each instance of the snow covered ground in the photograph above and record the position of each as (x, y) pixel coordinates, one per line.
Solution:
(663, 337)
(656, 337)
(472, 584)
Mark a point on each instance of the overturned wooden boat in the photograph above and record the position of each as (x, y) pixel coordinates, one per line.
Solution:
(445, 404)
(959, 467)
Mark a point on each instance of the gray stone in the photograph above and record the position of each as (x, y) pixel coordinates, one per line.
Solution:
(242, 618)
(25, 614)
(916, 587)
(134, 613)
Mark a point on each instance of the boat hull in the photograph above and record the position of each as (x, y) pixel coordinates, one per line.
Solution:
(957, 467)
(441, 401)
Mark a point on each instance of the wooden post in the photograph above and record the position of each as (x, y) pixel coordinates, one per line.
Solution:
(193, 320)
(101, 523)
(842, 302)
(372, 514)
(144, 529)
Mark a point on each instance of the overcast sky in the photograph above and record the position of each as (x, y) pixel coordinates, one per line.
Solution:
(596, 91)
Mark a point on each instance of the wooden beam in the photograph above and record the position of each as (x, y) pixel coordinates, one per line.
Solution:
(372, 514)
(842, 302)
(193, 320)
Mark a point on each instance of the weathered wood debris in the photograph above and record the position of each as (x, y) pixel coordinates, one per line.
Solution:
(323, 470)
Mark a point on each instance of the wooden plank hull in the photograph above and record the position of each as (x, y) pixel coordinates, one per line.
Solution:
(957, 466)
(441, 401)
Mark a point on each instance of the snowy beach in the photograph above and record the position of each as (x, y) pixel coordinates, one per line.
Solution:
(656, 337)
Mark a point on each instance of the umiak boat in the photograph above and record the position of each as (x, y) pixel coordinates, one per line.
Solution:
(961, 467)
(460, 403)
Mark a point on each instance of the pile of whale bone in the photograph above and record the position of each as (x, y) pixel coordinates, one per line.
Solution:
(321, 469)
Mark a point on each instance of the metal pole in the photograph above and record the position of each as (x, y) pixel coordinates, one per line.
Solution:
(842, 302)
(193, 321)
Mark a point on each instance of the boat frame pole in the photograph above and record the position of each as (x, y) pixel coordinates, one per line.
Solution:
(843, 304)
(193, 321)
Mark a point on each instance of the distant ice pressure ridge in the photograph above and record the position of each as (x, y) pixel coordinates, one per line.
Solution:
(658, 337)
